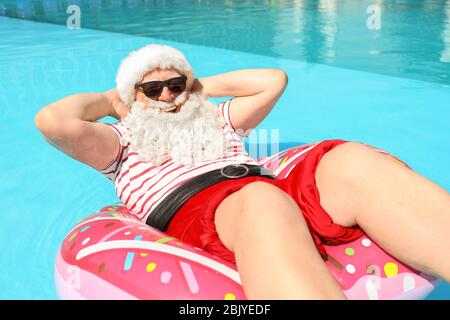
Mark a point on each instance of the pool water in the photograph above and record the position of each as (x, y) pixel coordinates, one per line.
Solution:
(411, 40)
(402, 108)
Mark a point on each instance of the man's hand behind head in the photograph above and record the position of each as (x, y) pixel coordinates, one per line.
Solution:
(118, 109)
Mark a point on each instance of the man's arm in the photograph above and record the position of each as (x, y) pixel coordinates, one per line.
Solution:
(255, 90)
(70, 125)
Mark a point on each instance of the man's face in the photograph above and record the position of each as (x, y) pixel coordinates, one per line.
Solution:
(166, 95)
(192, 135)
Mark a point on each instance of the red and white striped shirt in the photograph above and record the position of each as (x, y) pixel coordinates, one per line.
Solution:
(141, 186)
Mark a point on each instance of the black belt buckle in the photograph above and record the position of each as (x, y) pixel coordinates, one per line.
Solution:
(234, 171)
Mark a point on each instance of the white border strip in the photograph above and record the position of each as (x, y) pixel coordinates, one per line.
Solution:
(146, 245)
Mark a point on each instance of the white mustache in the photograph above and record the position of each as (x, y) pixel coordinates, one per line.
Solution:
(166, 106)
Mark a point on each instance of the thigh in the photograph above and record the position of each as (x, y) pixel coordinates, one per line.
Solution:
(338, 173)
(332, 175)
(271, 226)
(247, 206)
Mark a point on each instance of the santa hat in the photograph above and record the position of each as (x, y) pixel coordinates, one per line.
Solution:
(140, 62)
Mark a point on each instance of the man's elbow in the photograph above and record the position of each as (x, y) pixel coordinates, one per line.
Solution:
(280, 77)
(40, 119)
(45, 121)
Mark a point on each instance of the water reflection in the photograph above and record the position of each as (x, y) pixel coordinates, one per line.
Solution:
(413, 42)
(328, 18)
(445, 53)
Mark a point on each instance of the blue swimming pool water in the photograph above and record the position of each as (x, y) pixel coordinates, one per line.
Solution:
(44, 193)
(412, 41)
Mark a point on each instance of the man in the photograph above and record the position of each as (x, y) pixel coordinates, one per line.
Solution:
(178, 163)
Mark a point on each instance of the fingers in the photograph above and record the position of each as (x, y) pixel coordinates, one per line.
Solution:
(121, 109)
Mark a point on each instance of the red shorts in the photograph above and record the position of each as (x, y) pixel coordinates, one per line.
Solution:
(194, 222)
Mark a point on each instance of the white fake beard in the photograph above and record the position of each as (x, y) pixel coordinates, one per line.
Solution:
(190, 136)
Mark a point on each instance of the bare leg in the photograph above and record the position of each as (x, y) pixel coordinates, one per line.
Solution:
(275, 254)
(406, 214)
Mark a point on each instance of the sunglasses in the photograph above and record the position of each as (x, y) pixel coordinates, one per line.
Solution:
(153, 89)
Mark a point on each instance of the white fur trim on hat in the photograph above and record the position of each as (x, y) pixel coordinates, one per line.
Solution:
(139, 62)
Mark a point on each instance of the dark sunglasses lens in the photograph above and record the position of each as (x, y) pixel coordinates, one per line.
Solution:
(153, 90)
(177, 80)
(175, 88)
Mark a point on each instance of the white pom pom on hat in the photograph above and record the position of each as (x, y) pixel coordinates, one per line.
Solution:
(139, 62)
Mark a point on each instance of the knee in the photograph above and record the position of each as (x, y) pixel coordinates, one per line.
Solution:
(258, 205)
(265, 208)
(260, 187)
(251, 202)
(348, 162)
(264, 198)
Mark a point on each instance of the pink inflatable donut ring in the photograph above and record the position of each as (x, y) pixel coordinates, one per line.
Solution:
(113, 255)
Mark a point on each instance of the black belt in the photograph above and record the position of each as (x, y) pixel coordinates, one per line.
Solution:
(161, 216)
